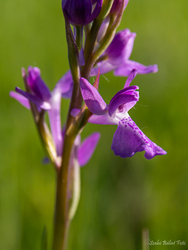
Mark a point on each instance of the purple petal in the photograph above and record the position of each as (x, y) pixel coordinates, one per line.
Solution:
(40, 103)
(102, 119)
(81, 57)
(116, 3)
(92, 98)
(103, 29)
(118, 53)
(96, 11)
(55, 120)
(129, 139)
(130, 78)
(20, 98)
(87, 148)
(75, 112)
(121, 47)
(104, 67)
(37, 85)
(124, 96)
(65, 85)
(127, 67)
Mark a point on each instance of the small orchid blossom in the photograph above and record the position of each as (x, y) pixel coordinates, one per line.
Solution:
(44, 99)
(81, 12)
(118, 53)
(128, 138)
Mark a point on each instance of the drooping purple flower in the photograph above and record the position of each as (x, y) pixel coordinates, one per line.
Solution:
(128, 138)
(44, 99)
(118, 54)
(81, 12)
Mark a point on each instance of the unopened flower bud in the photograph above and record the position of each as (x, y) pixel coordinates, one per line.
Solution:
(116, 5)
(81, 12)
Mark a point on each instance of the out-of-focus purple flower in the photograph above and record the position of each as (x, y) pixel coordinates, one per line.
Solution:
(81, 12)
(128, 138)
(118, 54)
(44, 99)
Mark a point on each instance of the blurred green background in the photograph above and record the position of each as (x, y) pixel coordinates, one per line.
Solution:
(120, 197)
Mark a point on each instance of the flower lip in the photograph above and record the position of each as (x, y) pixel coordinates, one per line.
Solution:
(129, 139)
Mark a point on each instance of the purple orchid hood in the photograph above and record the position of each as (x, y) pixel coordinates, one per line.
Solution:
(128, 138)
(44, 99)
(81, 12)
(118, 54)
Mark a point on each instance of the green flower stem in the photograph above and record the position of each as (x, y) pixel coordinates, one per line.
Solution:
(61, 217)
(73, 56)
(91, 37)
(79, 36)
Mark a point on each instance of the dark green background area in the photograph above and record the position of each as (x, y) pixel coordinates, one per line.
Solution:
(119, 197)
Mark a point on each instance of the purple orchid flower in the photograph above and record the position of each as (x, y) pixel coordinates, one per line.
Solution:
(81, 12)
(44, 99)
(128, 138)
(118, 54)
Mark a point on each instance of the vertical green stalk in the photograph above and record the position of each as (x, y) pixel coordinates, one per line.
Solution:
(61, 217)
(145, 239)
(79, 36)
